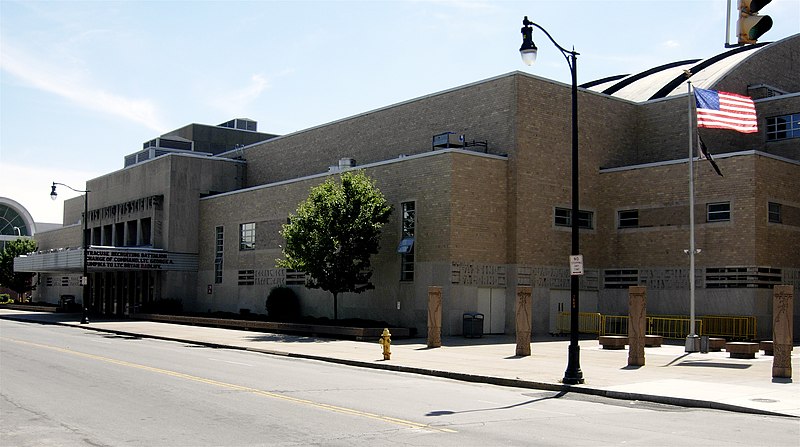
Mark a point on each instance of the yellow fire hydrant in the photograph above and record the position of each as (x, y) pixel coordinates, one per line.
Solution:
(386, 342)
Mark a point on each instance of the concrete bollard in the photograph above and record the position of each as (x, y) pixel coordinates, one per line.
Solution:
(434, 316)
(637, 324)
(782, 316)
(523, 320)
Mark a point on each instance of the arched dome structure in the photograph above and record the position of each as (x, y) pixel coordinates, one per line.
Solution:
(15, 220)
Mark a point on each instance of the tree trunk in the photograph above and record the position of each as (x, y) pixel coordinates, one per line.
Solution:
(335, 306)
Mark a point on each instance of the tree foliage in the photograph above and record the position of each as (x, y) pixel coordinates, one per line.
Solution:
(18, 282)
(334, 233)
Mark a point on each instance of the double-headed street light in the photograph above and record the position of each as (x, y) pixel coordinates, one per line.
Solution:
(85, 278)
(573, 375)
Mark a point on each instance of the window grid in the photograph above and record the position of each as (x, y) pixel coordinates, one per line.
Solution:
(563, 218)
(774, 212)
(247, 277)
(783, 127)
(718, 212)
(247, 236)
(407, 258)
(628, 218)
(218, 250)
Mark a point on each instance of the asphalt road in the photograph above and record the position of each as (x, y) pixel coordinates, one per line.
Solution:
(63, 386)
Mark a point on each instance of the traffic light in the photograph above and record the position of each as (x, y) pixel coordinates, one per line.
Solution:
(751, 25)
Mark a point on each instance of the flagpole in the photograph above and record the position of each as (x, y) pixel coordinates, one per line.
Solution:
(691, 339)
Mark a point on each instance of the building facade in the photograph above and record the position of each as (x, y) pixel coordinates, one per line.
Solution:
(479, 178)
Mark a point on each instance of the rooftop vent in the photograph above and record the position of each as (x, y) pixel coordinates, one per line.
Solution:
(241, 124)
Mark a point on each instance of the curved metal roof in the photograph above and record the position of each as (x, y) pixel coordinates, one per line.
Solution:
(668, 80)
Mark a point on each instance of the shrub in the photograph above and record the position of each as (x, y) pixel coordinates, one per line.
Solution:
(283, 304)
(5, 298)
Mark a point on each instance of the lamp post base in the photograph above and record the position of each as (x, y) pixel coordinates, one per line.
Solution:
(692, 343)
(573, 375)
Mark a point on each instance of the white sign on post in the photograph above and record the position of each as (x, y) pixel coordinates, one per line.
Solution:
(576, 265)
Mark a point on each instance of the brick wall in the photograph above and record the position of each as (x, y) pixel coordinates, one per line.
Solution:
(482, 111)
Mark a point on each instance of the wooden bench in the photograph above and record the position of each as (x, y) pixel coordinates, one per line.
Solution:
(716, 344)
(742, 349)
(613, 341)
(653, 341)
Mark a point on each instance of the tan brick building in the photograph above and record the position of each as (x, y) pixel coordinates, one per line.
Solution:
(490, 203)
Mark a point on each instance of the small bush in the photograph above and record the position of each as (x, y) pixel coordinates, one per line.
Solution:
(283, 304)
(5, 298)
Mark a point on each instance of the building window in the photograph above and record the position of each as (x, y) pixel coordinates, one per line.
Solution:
(742, 277)
(718, 212)
(783, 127)
(406, 247)
(218, 249)
(563, 218)
(247, 236)
(247, 277)
(774, 212)
(628, 219)
(620, 278)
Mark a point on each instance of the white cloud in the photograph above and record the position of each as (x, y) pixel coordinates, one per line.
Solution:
(671, 44)
(69, 84)
(236, 101)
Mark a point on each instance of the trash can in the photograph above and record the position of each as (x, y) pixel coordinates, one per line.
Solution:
(67, 303)
(704, 344)
(473, 324)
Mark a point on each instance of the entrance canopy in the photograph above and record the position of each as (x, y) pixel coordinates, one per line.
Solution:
(106, 259)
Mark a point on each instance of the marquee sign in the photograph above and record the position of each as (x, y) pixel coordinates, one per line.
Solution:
(140, 259)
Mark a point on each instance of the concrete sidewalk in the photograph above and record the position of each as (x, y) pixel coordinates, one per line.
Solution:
(670, 375)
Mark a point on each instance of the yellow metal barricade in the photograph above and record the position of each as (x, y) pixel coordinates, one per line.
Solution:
(668, 326)
(588, 323)
(614, 325)
(672, 327)
(730, 327)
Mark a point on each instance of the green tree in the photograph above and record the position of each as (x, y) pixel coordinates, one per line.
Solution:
(334, 233)
(18, 282)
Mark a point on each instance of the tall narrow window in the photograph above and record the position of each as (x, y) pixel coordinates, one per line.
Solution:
(247, 236)
(774, 211)
(718, 212)
(218, 250)
(406, 247)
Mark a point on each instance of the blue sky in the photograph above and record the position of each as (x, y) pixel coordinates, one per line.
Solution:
(82, 84)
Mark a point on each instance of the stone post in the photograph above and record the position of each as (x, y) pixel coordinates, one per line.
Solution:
(523, 320)
(782, 315)
(637, 324)
(434, 316)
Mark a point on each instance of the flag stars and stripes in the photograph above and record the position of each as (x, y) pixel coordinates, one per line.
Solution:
(723, 110)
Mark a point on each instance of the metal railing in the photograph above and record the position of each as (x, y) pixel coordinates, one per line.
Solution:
(668, 326)
(730, 327)
(588, 323)
(672, 327)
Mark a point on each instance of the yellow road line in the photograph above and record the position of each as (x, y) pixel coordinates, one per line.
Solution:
(231, 386)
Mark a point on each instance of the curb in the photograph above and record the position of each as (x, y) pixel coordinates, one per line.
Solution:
(464, 377)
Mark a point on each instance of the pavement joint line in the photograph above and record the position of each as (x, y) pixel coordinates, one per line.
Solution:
(464, 377)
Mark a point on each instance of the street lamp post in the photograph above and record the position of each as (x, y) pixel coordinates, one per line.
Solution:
(85, 278)
(573, 375)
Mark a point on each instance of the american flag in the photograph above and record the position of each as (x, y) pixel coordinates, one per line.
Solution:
(722, 110)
